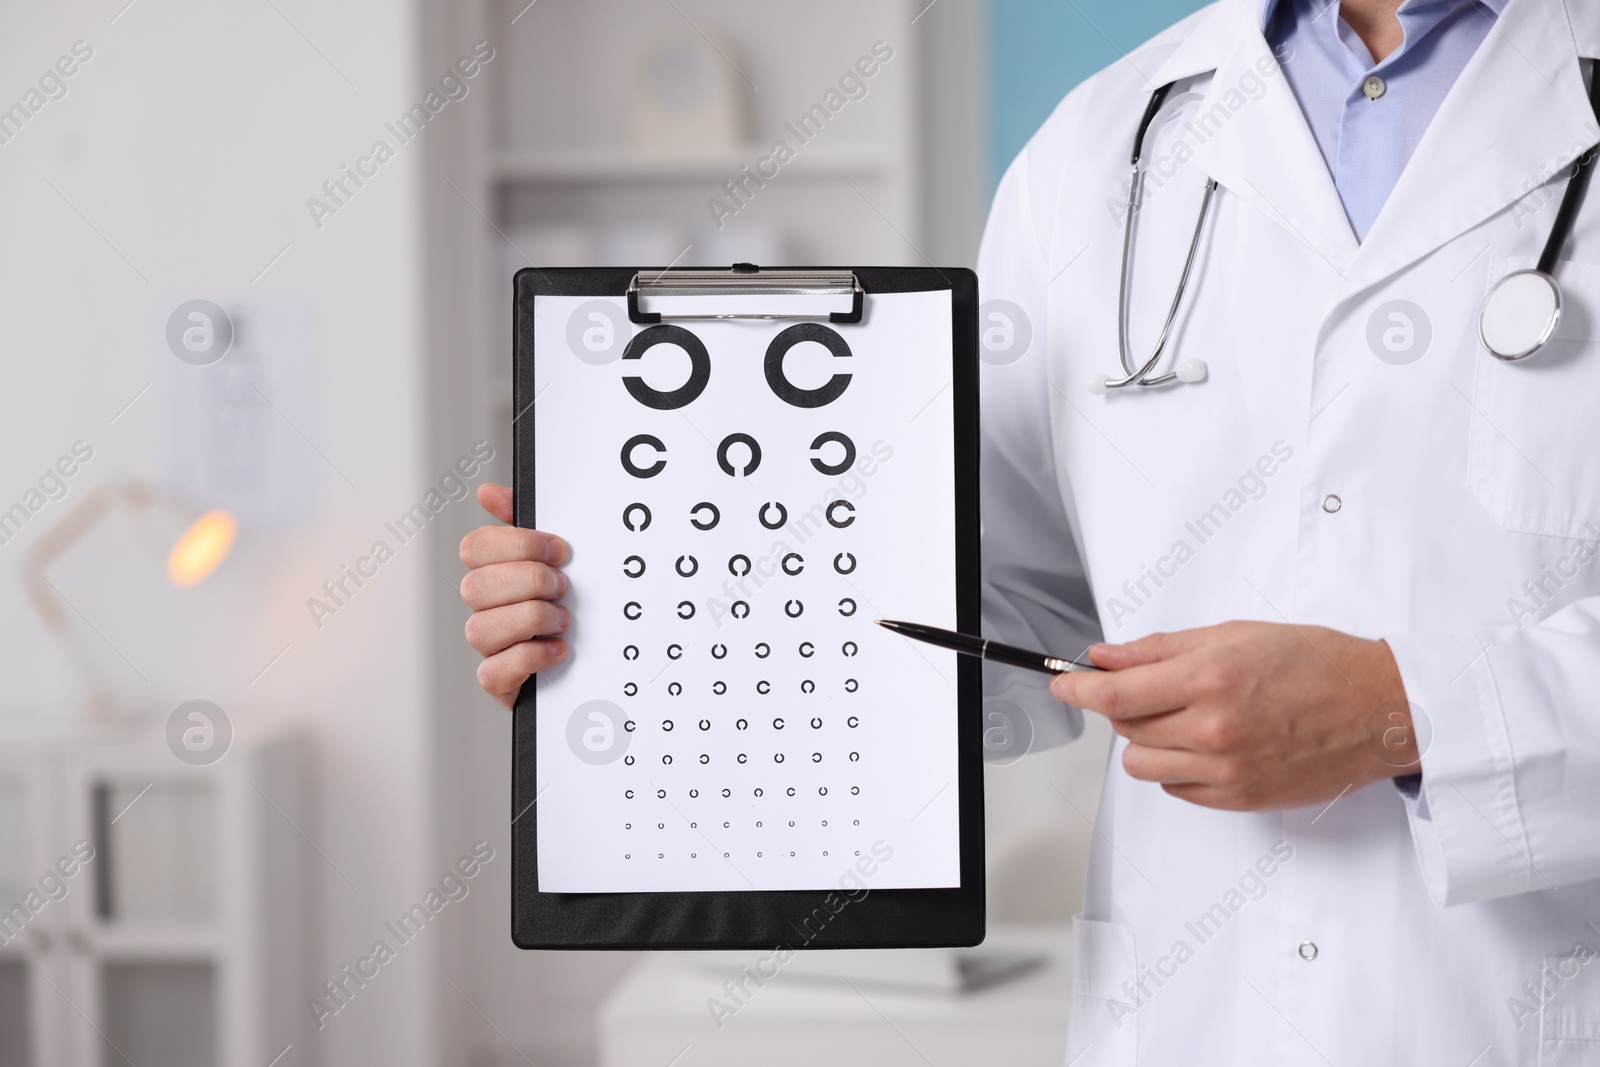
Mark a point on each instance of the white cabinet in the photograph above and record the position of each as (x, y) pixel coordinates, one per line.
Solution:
(799, 1018)
(151, 912)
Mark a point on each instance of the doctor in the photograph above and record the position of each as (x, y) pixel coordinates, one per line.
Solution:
(1359, 824)
(1363, 828)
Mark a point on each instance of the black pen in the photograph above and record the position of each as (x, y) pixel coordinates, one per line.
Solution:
(983, 648)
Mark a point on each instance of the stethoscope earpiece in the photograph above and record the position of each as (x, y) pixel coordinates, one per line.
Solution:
(1097, 384)
(1192, 370)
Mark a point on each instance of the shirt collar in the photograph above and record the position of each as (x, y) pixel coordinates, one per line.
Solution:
(1268, 7)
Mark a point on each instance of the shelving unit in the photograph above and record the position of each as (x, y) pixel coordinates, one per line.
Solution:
(540, 167)
(568, 181)
(632, 165)
(180, 935)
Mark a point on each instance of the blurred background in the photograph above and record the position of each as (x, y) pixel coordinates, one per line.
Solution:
(255, 299)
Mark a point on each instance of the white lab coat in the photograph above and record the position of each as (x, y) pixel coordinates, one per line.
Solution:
(1458, 927)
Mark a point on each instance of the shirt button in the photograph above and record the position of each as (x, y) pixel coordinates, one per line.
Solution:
(1331, 503)
(1374, 87)
(1308, 950)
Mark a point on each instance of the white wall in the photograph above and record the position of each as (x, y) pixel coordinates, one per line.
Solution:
(178, 166)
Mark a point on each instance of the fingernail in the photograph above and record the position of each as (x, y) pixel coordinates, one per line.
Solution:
(563, 616)
(563, 584)
(559, 551)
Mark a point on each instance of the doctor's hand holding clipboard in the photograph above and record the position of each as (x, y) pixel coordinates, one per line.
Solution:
(514, 586)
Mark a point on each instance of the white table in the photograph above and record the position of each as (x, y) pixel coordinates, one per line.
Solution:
(658, 1016)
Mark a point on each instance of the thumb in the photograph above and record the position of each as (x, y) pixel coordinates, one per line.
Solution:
(496, 500)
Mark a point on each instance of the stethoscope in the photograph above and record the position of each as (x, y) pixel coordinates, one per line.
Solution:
(1519, 314)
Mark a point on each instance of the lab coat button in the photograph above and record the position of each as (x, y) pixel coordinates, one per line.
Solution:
(1374, 87)
(1308, 950)
(1331, 503)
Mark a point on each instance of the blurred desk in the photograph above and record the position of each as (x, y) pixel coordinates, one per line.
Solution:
(660, 1015)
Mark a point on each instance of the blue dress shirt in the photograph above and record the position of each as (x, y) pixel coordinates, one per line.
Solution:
(1368, 117)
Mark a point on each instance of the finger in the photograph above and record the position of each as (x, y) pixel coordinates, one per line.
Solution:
(502, 675)
(507, 583)
(1208, 796)
(1166, 765)
(1136, 691)
(496, 500)
(1159, 731)
(1202, 727)
(1153, 648)
(497, 629)
(503, 544)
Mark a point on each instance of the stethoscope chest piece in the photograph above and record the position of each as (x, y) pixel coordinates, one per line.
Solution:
(1520, 314)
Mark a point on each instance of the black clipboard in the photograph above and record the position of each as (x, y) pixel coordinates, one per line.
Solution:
(809, 919)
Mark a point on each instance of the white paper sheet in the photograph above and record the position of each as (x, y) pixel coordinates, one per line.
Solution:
(774, 734)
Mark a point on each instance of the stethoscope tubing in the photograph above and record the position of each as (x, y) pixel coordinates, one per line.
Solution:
(1135, 191)
(1577, 187)
(1560, 231)
(1140, 376)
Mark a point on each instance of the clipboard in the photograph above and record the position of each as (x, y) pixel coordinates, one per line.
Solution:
(848, 915)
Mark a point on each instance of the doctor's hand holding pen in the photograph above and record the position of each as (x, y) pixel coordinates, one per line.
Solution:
(513, 586)
(1252, 716)
(1244, 716)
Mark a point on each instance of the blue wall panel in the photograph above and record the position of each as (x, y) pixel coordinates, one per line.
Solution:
(1042, 48)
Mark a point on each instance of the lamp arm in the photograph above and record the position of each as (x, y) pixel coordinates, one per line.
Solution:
(68, 531)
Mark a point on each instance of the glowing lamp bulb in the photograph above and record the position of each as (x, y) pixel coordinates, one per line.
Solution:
(202, 548)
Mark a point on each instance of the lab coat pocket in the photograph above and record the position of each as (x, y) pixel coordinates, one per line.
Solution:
(1569, 1020)
(1533, 452)
(1105, 969)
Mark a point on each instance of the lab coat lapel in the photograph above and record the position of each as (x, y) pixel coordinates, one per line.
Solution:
(1259, 147)
(1518, 114)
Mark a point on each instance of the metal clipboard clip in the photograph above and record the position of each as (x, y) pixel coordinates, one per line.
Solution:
(701, 289)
